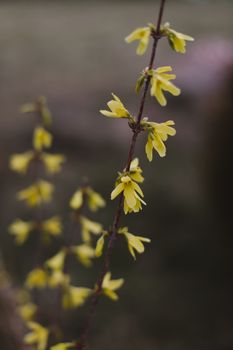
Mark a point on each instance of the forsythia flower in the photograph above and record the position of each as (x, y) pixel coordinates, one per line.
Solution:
(109, 286)
(77, 200)
(134, 242)
(131, 191)
(27, 311)
(143, 36)
(176, 40)
(58, 278)
(37, 278)
(94, 199)
(158, 133)
(52, 162)
(84, 253)
(41, 138)
(52, 226)
(40, 107)
(62, 346)
(100, 244)
(57, 261)
(117, 109)
(88, 227)
(38, 336)
(136, 171)
(75, 296)
(160, 81)
(35, 194)
(20, 162)
(21, 230)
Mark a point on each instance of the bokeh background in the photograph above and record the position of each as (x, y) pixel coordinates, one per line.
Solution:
(178, 295)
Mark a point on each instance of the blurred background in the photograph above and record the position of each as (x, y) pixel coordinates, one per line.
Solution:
(178, 295)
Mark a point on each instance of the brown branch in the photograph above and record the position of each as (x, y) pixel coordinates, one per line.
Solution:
(82, 343)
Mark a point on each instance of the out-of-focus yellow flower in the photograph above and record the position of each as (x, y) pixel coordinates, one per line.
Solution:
(94, 199)
(134, 242)
(20, 162)
(37, 278)
(117, 109)
(158, 133)
(57, 261)
(27, 311)
(109, 286)
(143, 36)
(75, 296)
(160, 81)
(21, 230)
(88, 227)
(77, 200)
(28, 108)
(58, 278)
(62, 346)
(52, 162)
(52, 226)
(84, 253)
(176, 40)
(38, 336)
(41, 138)
(36, 194)
(131, 191)
(39, 106)
(100, 244)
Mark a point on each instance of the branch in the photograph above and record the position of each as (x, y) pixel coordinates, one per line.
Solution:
(82, 343)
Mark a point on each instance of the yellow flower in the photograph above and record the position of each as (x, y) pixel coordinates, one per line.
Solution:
(38, 336)
(57, 261)
(58, 278)
(52, 226)
(158, 133)
(75, 296)
(134, 242)
(37, 278)
(136, 171)
(36, 194)
(41, 138)
(28, 108)
(160, 81)
(40, 107)
(77, 200)
(88, 227)
(52, 162)
(62, 346)
(27, 311)
(21, 230)
(117, 109)
(176, 40)
(20, 162)
(94, 199)
(131, 191)
(84, 253)
(143, 36)
(109, 286)
(100, 244)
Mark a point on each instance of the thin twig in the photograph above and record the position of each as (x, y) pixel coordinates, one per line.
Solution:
(82, 343)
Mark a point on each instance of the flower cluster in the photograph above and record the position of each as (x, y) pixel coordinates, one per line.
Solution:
(127, 183)
(40, 191)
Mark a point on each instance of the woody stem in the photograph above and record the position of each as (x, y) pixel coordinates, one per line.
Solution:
(82, 343)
